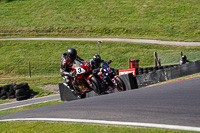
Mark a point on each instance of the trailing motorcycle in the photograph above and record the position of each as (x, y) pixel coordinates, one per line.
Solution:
(109, 79)
(84, 81)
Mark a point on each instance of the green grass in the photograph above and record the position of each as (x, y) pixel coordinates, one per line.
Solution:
(3, 101)
(58, 127)
(163, 19)
(33, 106)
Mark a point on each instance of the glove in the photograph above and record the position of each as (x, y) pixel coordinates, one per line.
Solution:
(94, 71)
(72, 74)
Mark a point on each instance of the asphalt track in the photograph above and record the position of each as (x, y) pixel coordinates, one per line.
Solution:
(174, 105)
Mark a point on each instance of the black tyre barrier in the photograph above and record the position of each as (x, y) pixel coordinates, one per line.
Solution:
(5, 91)
(11, 91)
(19, 98)
(3, 97)
(145, 70)
(140, 71)
(6, 87)
(150, 69)
(155, 68)
(167, 66)
(20, 91)
(137, 71)
(11, 96)
(160, 67)
(164, 74)
(22, 85)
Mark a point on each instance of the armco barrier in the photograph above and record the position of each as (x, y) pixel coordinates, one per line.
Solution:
(168, 73)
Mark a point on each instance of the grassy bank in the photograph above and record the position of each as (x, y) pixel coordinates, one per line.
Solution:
(46, 127)
(167, 20)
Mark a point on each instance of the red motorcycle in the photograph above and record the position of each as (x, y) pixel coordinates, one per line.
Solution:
(83, 81)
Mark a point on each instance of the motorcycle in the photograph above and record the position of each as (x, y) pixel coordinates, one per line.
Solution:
(84, 81)
(110, 79)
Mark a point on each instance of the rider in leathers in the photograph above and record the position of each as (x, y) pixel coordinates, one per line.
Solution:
(66, 64)
(183, 60)
(96, 61)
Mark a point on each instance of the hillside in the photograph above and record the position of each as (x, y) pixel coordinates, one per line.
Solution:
(163, 19)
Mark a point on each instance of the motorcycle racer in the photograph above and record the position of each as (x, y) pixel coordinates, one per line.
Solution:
(66, 64)
(96, 61)
(183, 60)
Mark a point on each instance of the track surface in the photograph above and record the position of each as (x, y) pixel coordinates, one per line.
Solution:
(176, 103)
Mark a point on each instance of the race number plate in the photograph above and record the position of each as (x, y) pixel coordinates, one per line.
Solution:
(80, 70)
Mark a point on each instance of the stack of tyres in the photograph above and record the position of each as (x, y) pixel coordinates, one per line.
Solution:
(11, 93)
(7, 91)
(22, 91)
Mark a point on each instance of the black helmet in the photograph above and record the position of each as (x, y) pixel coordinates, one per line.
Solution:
(184, 57)
(97, 58)
(71, 53)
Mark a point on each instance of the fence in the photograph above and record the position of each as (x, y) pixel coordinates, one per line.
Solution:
(41, 67)
(31, 68)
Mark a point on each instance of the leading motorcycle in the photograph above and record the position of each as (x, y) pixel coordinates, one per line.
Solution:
(83, 81)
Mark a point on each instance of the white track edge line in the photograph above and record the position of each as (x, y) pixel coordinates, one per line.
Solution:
(33, 99)
(150, 125)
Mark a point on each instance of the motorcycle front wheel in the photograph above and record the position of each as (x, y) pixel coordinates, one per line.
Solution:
(120, 84)
(96, 86)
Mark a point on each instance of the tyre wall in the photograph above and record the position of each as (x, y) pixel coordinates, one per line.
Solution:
(20, 91)
(172, 72)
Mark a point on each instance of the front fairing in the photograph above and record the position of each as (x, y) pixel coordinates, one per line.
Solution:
(83, 70)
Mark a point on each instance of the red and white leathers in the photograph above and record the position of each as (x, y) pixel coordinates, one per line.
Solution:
(65, 67)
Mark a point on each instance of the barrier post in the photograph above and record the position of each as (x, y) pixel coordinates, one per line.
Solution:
(29, 68)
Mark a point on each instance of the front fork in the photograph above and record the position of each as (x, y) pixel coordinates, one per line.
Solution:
(114, 82)
(88, 80)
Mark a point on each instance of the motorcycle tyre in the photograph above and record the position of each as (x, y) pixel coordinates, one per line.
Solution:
(122, 86)
(83, 96)
(96, 85)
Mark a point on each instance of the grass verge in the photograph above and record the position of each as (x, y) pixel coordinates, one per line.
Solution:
(163, 19)
(45, 127)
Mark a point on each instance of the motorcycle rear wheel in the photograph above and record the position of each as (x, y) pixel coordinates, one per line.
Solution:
(96, 86)
(120, 84)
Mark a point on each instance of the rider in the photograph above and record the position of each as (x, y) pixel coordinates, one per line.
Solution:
(96, 61)
(183, 59)
(66, 64)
